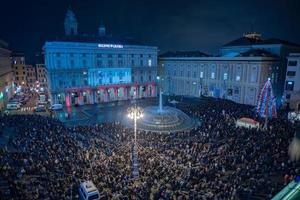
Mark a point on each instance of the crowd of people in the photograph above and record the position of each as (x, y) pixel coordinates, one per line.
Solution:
(216, 160)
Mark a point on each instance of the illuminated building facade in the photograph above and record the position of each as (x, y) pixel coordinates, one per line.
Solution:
(6, 75)
(92, 69)
(292, 82)
(238, 73)
(41, 76)
(234, 78)
(19, 69)
(31, 76)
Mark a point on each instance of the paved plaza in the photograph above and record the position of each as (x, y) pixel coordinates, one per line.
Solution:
(99, 113)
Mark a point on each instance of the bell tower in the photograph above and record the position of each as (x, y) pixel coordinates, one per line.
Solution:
(70, 23)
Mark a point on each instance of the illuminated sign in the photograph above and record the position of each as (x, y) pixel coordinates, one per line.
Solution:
(116, 46)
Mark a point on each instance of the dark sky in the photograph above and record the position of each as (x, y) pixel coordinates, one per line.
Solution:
(169, 24)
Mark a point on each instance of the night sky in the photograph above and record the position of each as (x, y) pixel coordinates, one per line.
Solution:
(168, 24)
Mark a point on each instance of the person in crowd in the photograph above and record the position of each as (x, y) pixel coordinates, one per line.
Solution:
(216, 160)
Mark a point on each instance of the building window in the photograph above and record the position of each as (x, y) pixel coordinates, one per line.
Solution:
(149, 78)
(132, 62)
(181, 73)
(110, 63)
(120, 63)
(237, 78)
(236, 90)
(85, 82)
(201, 74)
(225, 76)
(84, 63)
(141, 63)
(99, 63)
(291, 73)
(71, 55)
(292, 63)
(57, 54)
(288, 96)
(213, 75)
(73, 83)
(142, 78)
(84, 55)
(188, 74)
(289, 85)
(58, 63)
(194, 74)
(149, 62)
(72, 63)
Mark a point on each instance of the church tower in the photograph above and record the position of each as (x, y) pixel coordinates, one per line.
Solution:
(101, 30)
(70, 23)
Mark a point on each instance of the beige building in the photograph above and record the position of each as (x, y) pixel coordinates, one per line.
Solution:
(238, 78)
(6, 76)
(18, 66)
(41, 75)
(292, 82)
(31, 76)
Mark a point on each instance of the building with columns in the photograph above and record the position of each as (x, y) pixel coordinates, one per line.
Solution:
(92, 69)
(237, 78)
(237, 73)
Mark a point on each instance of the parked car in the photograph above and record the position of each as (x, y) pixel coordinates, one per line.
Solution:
(40, 109)
(12, 106)
(56, 107)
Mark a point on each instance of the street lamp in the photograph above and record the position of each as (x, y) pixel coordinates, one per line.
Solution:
(135, 113)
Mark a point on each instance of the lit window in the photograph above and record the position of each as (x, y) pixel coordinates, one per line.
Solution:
(225, 76)
(238, 78)
(149, 62)
(201, 74)
(289, 85)
(213, 75)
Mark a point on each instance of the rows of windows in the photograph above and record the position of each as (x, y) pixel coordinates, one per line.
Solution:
(108, 55)
(212, 75)
(108, 63)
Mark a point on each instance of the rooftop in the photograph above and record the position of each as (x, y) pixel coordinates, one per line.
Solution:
(256, 53)
(184, 54)
(97, 39)
(249, 39)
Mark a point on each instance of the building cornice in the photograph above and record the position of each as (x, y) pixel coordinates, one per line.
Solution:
(245, 59)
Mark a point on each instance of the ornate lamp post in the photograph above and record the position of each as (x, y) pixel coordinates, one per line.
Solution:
(135, 113)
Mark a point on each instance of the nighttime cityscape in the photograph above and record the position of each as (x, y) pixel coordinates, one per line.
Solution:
(140, 99)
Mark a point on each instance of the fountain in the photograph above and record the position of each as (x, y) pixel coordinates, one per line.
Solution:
(164, 119)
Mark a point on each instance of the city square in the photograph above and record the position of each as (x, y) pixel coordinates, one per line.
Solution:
(94, 105)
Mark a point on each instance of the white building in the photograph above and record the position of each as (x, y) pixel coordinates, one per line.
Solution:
(238, 78)
(90, 69)
(238, 73)
(292, 81)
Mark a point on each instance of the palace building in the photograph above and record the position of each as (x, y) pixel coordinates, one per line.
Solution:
(86, 69)
(237, 74)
